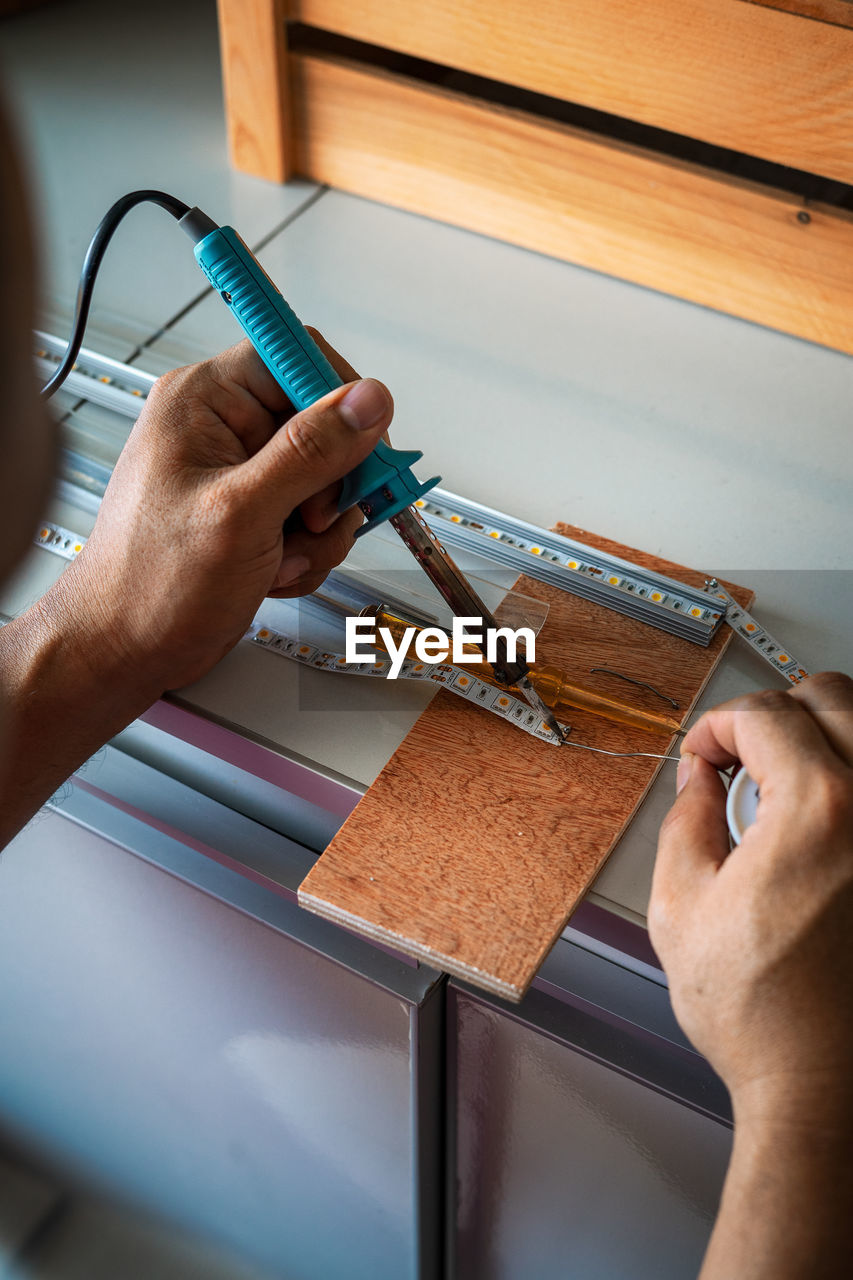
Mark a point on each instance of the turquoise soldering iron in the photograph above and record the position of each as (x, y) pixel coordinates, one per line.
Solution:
(383, 486)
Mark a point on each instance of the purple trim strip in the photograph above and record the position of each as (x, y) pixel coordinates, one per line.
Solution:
(231, 863)
(183, 838)
(614, 931)
(261, 762)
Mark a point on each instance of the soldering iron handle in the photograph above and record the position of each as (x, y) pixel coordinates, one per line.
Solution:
(279, 337)
(383, 484)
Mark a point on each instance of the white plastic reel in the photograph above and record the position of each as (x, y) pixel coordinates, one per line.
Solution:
(742, 804)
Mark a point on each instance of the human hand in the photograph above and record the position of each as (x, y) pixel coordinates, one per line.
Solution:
(756, 942)
(189, 539)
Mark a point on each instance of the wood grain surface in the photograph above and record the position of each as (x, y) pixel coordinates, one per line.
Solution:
(253, 50)
(743, 76)
(476, 842)
(838, 11)
(727, 244)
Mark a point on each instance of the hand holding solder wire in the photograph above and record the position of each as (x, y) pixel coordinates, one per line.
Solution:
(756, 943)
(189, 537)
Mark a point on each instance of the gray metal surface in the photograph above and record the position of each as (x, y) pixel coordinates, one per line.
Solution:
(224, 781)
(563, 1162)
(186, 1037)
(217, 850)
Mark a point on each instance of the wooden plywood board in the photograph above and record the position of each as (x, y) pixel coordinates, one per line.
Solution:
(476, 842)
(722, 243)
(738, 75)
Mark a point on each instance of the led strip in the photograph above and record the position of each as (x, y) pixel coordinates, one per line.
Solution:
(94, 377)
(458, 522)
(604, 579)
(62, 542)
(449, 677)
(760, 640)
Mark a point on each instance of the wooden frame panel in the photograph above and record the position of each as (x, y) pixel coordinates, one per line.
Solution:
(725, 244)
(253, 48)
(740, 75)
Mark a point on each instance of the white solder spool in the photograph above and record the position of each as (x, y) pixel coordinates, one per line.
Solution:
(742, 804)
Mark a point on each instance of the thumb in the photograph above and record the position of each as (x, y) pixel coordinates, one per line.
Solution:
(322, 443)
(693, 841)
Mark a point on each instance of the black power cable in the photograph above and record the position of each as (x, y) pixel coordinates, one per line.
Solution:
(91, 263)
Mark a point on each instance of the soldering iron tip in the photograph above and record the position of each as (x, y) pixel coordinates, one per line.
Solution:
(538, 706)
(554, 726)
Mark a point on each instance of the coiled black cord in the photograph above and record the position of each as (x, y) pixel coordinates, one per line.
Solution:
(91, 263)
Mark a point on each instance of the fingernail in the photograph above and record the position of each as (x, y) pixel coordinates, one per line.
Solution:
(364, 405)
(291, 568)
(682, 773)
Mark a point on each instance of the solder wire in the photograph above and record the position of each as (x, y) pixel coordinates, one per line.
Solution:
(650, 755)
